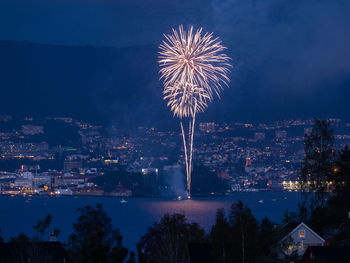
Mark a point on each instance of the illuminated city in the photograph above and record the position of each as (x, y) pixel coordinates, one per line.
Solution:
(174, 131)
(249, 157)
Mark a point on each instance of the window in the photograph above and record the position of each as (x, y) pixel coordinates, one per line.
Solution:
(302, 234)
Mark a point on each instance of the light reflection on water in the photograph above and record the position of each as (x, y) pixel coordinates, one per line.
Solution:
(134, 217)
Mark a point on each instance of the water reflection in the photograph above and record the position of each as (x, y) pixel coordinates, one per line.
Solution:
(137, 214)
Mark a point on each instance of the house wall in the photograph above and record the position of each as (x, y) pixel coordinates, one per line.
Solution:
(310, 238)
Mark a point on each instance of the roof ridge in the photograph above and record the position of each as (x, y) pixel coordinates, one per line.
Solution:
(303, 224)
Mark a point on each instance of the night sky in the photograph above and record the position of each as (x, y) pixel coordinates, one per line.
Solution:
(291, 58)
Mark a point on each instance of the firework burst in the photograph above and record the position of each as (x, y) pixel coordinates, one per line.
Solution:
(193, 69)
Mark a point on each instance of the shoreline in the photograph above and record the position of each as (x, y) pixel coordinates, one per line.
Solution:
(147, 196)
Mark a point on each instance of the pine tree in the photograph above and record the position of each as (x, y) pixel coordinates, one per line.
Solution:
(245, 230)
(221, 238)
(341, 177)
(94, 240)
(319, 159)
(167, 241)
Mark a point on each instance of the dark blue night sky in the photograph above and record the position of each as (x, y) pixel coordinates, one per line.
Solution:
(291, 58)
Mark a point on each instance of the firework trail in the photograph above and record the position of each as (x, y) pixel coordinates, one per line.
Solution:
(193, 69)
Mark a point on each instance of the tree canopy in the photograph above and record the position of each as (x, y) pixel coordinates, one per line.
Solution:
(94, 240)
(319, 159)
(167, 241)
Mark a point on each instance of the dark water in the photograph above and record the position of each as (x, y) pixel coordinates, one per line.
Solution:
(17, 214)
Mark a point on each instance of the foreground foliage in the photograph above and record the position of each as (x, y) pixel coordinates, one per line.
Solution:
(94, 240)
(167, 241)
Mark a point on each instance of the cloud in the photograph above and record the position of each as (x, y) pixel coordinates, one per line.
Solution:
(291, 58)
(306, 42)
(286, 52)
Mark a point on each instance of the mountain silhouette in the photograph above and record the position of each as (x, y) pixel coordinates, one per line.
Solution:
(121, 85)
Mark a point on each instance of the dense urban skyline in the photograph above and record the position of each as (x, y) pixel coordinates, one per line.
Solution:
(57, 152)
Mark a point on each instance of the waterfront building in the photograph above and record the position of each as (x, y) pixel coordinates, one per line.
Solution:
(72, 163)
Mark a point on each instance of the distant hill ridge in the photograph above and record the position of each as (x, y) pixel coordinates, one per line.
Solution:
(122, 85)
(85, 82)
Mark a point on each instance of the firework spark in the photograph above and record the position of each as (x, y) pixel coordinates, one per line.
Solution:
(193, 68)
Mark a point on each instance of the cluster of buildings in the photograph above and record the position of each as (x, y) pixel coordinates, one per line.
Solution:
(250, 157)
(259, 156)
(27, 183)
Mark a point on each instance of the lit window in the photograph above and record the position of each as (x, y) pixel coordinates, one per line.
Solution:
(302, 234)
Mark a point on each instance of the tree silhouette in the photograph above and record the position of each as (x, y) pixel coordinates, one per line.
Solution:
(341, 177)
(94, 240)
(245, 230)
(168, 241)
(268, 238)
(21, 238)
(41, 226)
(222, 239)
(319, 159)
